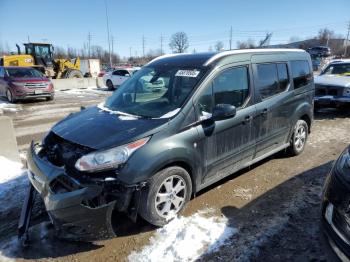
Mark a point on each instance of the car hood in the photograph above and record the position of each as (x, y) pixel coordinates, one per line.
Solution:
(99, 129)
(336, 80)
(29, 79)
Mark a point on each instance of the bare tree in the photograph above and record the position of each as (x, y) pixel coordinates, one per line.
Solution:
(179, 42)
(324, 35)
(246, 44)
(219, 46)
(266, 40)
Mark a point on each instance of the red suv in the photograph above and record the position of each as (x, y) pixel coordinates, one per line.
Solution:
(18, 83)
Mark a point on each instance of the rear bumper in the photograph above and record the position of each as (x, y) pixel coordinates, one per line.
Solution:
(332, 101)
(70, 210)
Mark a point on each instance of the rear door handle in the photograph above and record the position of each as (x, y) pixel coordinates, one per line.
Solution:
(264, 111)
(247, 119)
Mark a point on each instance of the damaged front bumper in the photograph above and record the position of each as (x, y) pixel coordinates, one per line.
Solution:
(80, 211)
(332, 101)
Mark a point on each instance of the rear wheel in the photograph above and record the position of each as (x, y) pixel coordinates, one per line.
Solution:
(49, 98)
(110, 85)
(72, 73)
(299, 137)
(166, 196)
(10, 97)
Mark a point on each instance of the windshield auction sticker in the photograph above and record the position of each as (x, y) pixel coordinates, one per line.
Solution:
(187, 73)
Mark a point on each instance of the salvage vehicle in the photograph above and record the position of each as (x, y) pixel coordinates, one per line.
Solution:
(147, 153)
(332, 86)
(19, 83)
(319, 51)
(335, 206)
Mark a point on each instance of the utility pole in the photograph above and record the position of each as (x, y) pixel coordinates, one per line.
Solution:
(89, 44)
(143, 46)
(109, 42)
(231, 38)
(346, 42)
(112, 42)
(28, 39)
(130, 51)
(161, 44)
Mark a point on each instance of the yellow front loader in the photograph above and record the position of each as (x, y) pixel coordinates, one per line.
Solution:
(40, 56)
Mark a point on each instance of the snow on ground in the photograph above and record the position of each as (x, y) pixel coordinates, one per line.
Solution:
(5, 106)
(12, 183)
(87, 90)
(186, 238)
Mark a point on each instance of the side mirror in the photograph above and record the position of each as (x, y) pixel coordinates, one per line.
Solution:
(223, 111)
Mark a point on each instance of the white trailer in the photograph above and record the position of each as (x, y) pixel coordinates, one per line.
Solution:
(90, 66)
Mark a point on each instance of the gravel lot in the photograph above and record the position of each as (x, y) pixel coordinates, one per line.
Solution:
(273, 206)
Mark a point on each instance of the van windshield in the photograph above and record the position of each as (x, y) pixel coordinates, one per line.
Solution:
(155, 92)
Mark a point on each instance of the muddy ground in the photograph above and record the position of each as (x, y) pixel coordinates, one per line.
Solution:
(274, 205)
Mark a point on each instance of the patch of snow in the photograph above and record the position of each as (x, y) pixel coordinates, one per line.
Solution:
(5, 106)
(186, 239)
(87, 90)
(13, 180)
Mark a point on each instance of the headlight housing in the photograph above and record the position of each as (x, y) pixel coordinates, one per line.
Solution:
(19, 84)
(344, 161)
(109, 159)
(346, 91)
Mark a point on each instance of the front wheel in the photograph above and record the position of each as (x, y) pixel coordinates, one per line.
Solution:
(299, 137)
(10, 97)
(166, 196)
(110, 85)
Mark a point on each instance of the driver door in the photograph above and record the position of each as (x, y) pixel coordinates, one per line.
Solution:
(225, 145)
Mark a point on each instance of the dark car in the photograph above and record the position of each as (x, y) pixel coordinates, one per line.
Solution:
(319, 51)
(147, 151)
(336, 206)
(19, 83)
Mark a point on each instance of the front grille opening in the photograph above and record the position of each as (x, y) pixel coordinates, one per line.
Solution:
(61, 152)
(63, 184)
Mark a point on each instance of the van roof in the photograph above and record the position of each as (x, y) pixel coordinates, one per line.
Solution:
(205, 59)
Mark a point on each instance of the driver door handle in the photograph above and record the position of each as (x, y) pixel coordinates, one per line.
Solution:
(264, 112)
(247, 119)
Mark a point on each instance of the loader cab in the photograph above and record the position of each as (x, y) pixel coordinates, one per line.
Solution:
(42, 53)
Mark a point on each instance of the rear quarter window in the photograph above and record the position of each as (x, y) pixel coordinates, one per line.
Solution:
(301, 73)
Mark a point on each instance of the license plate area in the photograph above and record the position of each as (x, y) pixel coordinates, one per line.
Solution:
(38, 92)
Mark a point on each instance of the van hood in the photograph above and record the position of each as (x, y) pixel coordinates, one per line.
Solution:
(336, 80)
(98, 129)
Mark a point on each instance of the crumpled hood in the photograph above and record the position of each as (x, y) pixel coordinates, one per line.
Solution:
(335, 80)
(98, 129)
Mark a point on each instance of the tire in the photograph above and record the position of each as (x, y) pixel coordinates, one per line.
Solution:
(157, 198)
(110, 85)
(9, 96)
(50, 98)
(299, 138)
(72, 73)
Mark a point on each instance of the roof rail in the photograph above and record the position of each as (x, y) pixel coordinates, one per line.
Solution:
(165, 56)
(243, 51)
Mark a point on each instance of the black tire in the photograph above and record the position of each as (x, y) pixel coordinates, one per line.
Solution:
(148, 209)
(110, 85)
(72, 73)
(50, 98)
(9, 96)
(300, 133)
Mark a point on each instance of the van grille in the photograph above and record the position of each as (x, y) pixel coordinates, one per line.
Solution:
(323, 90)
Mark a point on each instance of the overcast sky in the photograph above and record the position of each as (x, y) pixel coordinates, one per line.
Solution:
(68, 22)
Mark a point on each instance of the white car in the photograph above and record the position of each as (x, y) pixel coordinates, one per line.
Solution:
(117, 77)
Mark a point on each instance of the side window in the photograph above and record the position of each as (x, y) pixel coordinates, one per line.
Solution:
(123, 73)
(272, 79)
(283, 79)
(2, 72)
(229, 87)
(116, 73)
(301, 73)
(267, 80)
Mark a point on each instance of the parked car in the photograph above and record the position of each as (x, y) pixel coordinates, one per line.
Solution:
(19, 83)
(335, 207)
(320, 51)
(117, 77)
(147, 153)
(332, 86)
